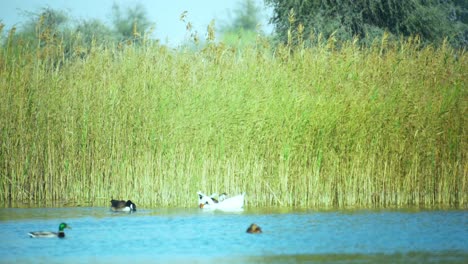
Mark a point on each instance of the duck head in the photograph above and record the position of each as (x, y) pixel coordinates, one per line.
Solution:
(131, 205)
(254, 229)
(204, 200)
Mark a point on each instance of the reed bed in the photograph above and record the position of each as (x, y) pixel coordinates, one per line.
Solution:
(307, 127)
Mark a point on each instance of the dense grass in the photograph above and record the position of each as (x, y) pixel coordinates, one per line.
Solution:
(315, 127)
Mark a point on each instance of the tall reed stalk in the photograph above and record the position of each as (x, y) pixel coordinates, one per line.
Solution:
(306, 127)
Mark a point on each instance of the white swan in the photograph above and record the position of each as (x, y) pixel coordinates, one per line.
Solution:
(224, 203)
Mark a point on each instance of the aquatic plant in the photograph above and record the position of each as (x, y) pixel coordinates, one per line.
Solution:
(297, 126)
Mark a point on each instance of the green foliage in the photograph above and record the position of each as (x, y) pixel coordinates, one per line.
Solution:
(94, 31)
(432, 20)
(246, 16)
(52, 28)
(240, 38)
(133, 25)
(241, 31)
(316, 127)
(43, 26)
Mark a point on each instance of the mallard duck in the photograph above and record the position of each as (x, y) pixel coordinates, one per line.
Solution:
(234, 203)
(122, 206)
(254, 229)
(48, 234)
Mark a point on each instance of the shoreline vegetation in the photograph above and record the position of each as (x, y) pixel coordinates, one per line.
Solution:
(330, 124)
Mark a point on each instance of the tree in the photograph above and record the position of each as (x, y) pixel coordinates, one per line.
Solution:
(244, 24)
(94, 30)
(132, 25)
(246, 16)
(432, 20)
(47, 26)
(48, 32)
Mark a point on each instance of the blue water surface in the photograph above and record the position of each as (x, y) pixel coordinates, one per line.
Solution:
(197, 236)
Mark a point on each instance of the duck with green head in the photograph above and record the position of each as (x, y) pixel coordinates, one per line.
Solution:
(49, 234)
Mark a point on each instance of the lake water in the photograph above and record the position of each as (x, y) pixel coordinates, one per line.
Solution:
(197, 236)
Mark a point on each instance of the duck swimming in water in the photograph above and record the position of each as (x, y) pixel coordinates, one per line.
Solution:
(122, 206)
(224, 203)
(254, 229)
(49, 234)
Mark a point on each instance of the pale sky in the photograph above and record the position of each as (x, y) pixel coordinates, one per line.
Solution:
(164, 13)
